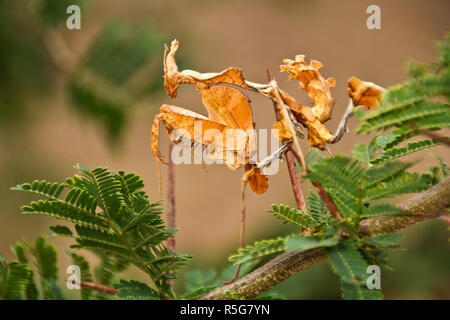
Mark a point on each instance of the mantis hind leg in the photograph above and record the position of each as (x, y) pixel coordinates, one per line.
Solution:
(245, 179)
(155, 147)
(174, 118)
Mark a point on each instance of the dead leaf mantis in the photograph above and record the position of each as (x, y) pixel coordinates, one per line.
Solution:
(229, 113)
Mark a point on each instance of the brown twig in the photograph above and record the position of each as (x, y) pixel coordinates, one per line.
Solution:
(322, 193)
(426, 205)
(171, 199)
(328, 201)
(97, 287)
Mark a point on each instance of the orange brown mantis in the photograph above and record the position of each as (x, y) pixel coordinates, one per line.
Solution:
(230, 114)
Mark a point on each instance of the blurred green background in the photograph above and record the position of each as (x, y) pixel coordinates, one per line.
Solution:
(89, 96)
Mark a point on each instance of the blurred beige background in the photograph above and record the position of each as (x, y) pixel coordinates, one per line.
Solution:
(249, 34)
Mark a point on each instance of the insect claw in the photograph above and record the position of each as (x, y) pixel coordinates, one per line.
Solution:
(161, 159)
(329, 151)
(285, 148)
(277, 154)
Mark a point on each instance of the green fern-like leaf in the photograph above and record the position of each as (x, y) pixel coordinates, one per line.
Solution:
(80, 198)
(302, 242)
(45, 257)
(293, 216)
(198, 292)
(417, 69)
(109, 249)
(348, 263)
(199, 283)
(347, 206)
(411, 147)
(340, 176)
(61, 231)
(114, 218)
(338, 173)
(383, 240)
(407, 94)
(14, 278)
(42, 188)
(135, 290)
(259, 249)
(156, 238)
(403, 182)
(104, 187)
(443, 166)
(31, 291)
(420, 110)
(86, 274)
(198, 278)
(410, 108)
(385, 172)
(130, 183)
(317, 208)
(85, 233)
(64, 211)
(365, 152)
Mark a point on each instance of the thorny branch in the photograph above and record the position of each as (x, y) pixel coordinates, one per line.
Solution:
(426, 205)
